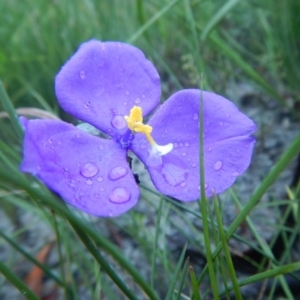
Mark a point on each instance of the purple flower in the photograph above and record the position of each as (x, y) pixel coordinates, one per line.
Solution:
(112, 86)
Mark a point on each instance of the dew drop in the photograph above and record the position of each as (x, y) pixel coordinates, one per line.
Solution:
(101, 147)
(195, 117)
(235, 174)
(183, 184)
(187, 144)
(118, 122)
(89, 170)
(205, 186)
(199, 188)
(50, 141)
(89, 182)
(119, 195)
(194, 165)
(221, 123)
(125, 103)
(143, 96)
(117, 173)
(127, 93)
(218, 165)
(72, 184)
(82, 74)
(183, 154)
(209, 148)
(143, 145)
(137, 100)
(99, 179)
(174, 174)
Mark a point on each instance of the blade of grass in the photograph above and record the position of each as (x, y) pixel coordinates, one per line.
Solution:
(175, 274)
(150, 22)
(203, 208)
(217, 18)
(17, 282)
(226, 250)
(157, 230)
(8, 107)
(289, 268)
(195, 287)
(183, 277)
(48, 199)
(268, 181)
(45, 269)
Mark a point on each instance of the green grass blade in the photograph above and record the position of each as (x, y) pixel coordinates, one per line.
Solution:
(17, 282)
(150, 22)
(157, 231)
(203, 209)
(226, 250)
(175, 275)
(217, 18)
(33, 260)
(268, 181)
(242, 64)
(183, 277)
(8, 107)
(270, 274)
(86, 231)
(195, 287)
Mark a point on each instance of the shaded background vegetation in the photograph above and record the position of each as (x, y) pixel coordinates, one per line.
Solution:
(221, 42)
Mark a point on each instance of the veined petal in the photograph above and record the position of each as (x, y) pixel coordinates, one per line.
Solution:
(88, 172)
(227, 144)
(102, 81)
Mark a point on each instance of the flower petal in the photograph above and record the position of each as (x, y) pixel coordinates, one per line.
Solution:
(227, 144)
(102, 81)
(89, 173)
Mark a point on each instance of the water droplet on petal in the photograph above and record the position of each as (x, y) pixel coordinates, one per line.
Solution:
(183, 154)
(125, 103)
(143, 145)
(89, 182)
(118, 122)
(101, 147)
(127, 92)
(235, 173)
(119, 195)
(82, 74)
(100, 179)
(195, 117)
(117, 173)
(137, 100)
(194, 165)
(72, 184)
(89, 170)
(174, 174)
(183, 184)
(218, 165)
(205, 186)
(209, 148)
(221, 123)
(50, 141)
(187, 144)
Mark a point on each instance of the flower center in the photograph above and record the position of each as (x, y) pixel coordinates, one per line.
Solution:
(135, 124)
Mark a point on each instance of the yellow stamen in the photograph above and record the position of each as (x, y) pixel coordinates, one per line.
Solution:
(135, 123)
